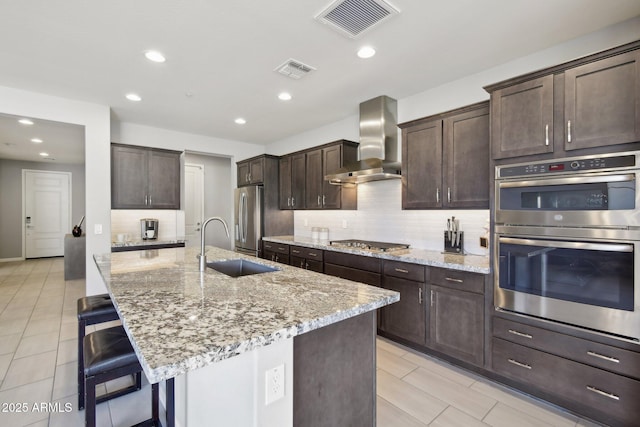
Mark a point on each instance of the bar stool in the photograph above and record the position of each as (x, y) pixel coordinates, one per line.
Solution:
(108, 355)
(92, 310)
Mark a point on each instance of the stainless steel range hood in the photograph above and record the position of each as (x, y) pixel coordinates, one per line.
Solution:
(378, 150)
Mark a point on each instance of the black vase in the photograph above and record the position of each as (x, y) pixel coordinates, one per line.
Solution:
(77, 231)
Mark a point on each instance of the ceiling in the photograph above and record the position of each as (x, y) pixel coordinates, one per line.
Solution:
(221, 56)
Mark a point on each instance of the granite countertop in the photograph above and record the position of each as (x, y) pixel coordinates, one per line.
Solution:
(145, 243)
(472, 263)
(179, 319)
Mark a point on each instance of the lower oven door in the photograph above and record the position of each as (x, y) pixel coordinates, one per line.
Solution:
(582, 281)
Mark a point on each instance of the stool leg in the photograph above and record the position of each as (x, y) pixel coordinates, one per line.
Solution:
(170, 398)
(155, 404)
(81, 333)
(90, 410)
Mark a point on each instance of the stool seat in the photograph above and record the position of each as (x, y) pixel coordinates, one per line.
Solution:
(94, 306)
(108, 349)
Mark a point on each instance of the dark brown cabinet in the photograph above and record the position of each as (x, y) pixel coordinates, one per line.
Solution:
(277, 252)
(251, 171)
(144, 178)
(588, 103)
(307, 258)
(445, 160)
(456, 315)
(320, 194)
(602, 102)
(407, 318)
(292, 181)
(522, 119)
(581, 375)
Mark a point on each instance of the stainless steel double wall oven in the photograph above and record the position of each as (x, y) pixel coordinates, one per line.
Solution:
(567, 241)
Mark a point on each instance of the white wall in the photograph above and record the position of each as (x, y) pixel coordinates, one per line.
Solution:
(379, 202)
(96, 121)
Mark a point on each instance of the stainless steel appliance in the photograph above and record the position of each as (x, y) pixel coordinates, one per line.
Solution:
(567, 241)
(248, 219)
(369, 245)
(148, 229)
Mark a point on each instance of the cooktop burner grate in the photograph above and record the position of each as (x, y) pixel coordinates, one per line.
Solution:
(369, 245)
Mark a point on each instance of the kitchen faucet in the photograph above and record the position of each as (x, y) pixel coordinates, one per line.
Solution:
(202, 256)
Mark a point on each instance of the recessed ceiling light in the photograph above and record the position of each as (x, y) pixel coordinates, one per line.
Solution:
(240, 121)
(155, 56)
(43, 154)
(284, 96)
(36, 140)
(25, 122)
(366, 52)
(133, 97)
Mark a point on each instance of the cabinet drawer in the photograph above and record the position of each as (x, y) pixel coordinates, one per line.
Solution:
(405, 270)
(592, 353)
(368, 277)
(613, 395)
(353, 261)
(276, 247)
(308, 253)
(456, 279)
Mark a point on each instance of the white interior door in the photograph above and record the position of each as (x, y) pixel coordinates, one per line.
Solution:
(194, 202)
(47, 212)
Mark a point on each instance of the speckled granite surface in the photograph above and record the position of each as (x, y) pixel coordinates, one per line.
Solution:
(179, 319)
(472, 263)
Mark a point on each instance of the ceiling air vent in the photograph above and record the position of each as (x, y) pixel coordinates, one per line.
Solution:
(294, 69)
(354, 17)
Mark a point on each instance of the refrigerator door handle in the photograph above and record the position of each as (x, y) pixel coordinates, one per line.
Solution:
(240, 217)
(245, 219)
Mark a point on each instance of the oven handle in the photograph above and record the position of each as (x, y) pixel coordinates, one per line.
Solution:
(607, 247)
(569, 180)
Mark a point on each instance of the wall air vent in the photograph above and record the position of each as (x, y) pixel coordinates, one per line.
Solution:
(294, 69)
(354, 17)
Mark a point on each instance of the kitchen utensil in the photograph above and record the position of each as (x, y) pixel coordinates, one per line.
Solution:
(77, 230)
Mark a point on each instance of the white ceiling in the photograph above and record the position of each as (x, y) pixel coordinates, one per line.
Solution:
(224, 55)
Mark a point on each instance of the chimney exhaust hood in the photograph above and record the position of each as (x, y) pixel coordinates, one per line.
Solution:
(378, 149)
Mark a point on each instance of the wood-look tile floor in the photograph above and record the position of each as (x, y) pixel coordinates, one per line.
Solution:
(38, 362)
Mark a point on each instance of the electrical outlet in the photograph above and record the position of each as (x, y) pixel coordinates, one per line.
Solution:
(306, 222)
(344, 223)
(274, 384)
(484, 242)
(97, 229)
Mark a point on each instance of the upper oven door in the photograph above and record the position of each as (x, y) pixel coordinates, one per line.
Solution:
(580, 200)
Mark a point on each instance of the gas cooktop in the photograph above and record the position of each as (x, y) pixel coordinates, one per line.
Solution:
(369, 245)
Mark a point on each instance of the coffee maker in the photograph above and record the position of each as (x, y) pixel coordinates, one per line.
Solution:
(149, 228)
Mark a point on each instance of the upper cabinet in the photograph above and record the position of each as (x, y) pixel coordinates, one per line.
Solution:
(144, 178)
(588, 103)
(445, 160)
(251, 171)
(302, 183)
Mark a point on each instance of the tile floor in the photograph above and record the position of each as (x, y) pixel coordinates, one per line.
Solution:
(38, 332)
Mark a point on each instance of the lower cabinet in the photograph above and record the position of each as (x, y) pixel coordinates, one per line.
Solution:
(276, 252)
(307, 258)
(406, 318)
(579, 374)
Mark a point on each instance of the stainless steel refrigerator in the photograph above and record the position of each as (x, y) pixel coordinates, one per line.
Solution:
(248, 220)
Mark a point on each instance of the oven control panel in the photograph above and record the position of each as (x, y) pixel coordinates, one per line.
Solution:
(566, 166)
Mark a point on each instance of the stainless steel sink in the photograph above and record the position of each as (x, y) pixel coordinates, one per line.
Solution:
(239, 267)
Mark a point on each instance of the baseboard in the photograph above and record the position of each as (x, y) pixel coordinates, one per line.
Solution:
(11, 259)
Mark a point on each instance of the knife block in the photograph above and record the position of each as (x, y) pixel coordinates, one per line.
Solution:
(451, 247)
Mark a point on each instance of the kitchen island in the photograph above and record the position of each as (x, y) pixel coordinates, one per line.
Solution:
(235, 345)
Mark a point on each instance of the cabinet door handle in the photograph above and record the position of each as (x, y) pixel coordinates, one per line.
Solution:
(249, 177)
(306, 265)
(520, 334)
(437, 195)
(522, 365)
(288, 201)
(603, 393)
(448, 194)
(420, 296)
(546, 135)
(295, 251)
(281, 249)
(312, 254)
(319, 200)
(602, 356)
(301, 263)
(277, 258)
(323, 201)
(402, 270)
(293, 201)
(273, 257)
(568, 130)
(449, 279)
(431, 298)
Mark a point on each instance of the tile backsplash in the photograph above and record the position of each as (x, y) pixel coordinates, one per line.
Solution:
(380, 218)
(127, 221)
